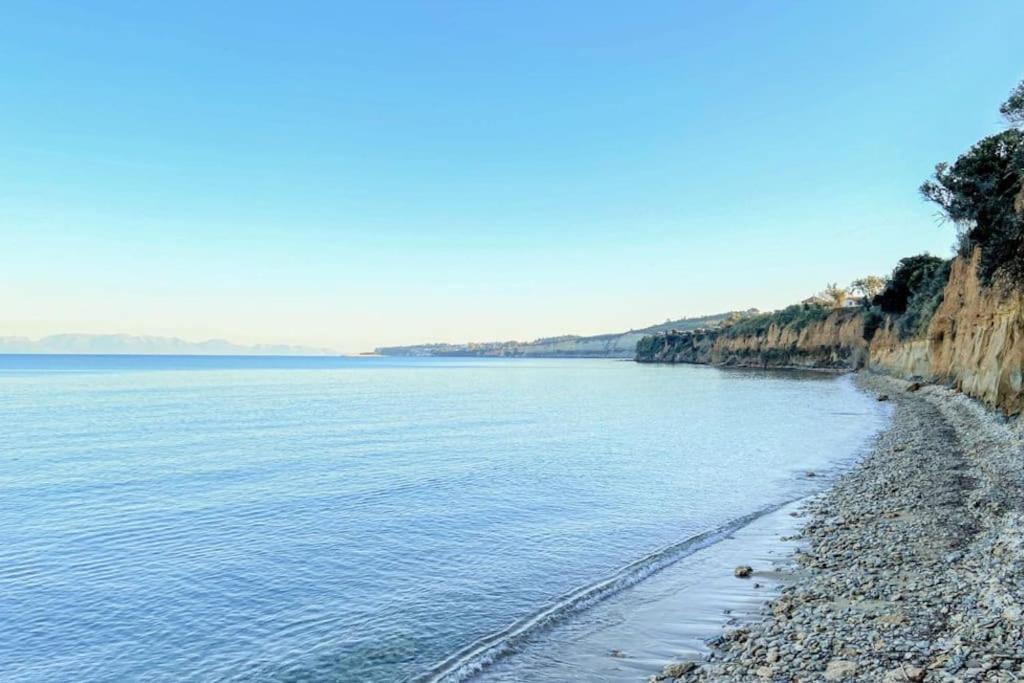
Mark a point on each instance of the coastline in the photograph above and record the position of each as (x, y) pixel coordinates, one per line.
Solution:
(909, 565)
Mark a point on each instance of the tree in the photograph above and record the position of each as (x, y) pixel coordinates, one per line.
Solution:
(911, 275)
(1013, 108)
(834, 295)
(981, 192)
(869, 287)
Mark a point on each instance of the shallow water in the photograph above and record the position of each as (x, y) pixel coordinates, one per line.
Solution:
(366, 519)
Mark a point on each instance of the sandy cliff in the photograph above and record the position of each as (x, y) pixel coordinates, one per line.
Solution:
(835, 342)
(975, 342)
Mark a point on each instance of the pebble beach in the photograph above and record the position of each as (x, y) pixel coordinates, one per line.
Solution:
(909, 568)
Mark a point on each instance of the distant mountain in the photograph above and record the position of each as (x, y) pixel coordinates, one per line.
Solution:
(614, 345)
(130, 344)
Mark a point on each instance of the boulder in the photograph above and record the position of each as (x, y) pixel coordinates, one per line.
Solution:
(743, 571)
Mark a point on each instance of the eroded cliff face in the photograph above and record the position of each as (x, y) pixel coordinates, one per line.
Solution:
(678, 347)
(975, 341)
(835, 342)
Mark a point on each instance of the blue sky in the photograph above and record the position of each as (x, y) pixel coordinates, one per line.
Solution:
(355, 174)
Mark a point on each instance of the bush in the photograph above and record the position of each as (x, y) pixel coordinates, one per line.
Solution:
(910, 276)
(913, 293)
(926, 297)
(799, 315)
(873, 319)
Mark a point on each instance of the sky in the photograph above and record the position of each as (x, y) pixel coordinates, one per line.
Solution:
(355, 174)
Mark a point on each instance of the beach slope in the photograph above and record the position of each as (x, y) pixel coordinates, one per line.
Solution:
(909, 568)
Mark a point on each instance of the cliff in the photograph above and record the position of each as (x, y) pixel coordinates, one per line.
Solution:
(834, 342)
(817, 338)
(974, 341)
(613, 345)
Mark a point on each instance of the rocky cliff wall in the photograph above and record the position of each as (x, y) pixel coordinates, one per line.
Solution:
(677, 347)
(975, 342)
(835, 342)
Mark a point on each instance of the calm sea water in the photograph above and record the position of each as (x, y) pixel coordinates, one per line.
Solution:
(207, 519)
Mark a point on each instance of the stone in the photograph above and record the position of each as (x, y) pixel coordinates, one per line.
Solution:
(840, 670)
(678, 669)
(883, 397)
(743, 571)
(905, 674)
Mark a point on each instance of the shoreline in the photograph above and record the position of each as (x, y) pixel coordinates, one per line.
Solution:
(909, 565)
(669, 612)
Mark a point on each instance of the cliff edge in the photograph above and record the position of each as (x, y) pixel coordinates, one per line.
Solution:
(974, 341)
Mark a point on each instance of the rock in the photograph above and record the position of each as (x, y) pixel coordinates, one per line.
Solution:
(883, 397)
(913, 386)
(743, 571)
(678, 669)
(811, 475)
(895, 618)
(840, 670)
(915, 674)
(618, 654)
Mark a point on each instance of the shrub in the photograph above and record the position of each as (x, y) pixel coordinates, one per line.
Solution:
(908, 277)
(873, 319)
(926, 297)
(798, 315)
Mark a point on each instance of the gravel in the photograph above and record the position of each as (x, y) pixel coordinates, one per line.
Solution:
(910, 568)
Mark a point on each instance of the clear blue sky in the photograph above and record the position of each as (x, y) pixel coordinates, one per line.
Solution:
(363, 173)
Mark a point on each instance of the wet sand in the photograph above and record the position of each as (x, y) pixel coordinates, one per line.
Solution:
(669, 615)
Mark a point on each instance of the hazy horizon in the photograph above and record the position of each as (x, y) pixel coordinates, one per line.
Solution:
(354, 176)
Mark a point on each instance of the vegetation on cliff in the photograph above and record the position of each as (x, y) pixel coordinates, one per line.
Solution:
(983, 193)
(798, 316)
(975, 340)
(911, 296)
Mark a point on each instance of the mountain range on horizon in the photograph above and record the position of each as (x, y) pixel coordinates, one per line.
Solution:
(149, 345)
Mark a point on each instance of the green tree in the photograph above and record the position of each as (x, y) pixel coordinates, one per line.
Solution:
(834, 295)
(868, 287)
(983, 193)
(909, 277)
(1013, 108)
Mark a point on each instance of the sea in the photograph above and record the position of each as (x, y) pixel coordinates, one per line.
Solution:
(177, 518)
